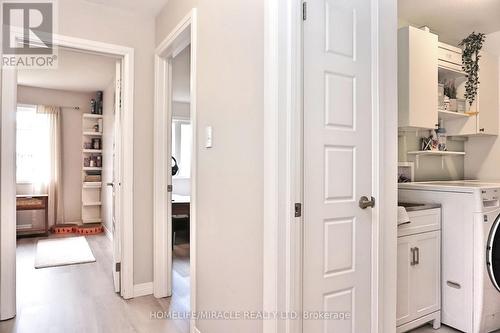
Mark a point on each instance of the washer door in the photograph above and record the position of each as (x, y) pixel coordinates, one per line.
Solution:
(493, 254)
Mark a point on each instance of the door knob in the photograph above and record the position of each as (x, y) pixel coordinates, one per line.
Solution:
(364, 202)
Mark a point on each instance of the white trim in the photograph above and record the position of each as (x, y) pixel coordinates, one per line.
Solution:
(283, 162)
(8, 195)
(143, 289)
(388, 157)
(183, 34)
(127, 161)
(196, 330)
(107, 232)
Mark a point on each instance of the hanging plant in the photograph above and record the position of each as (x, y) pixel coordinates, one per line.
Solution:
(471, 46)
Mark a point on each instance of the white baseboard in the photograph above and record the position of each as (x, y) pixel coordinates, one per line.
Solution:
(107, 232)
(143, 289)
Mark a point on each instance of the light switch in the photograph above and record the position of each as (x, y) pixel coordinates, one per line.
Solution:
(208, 137)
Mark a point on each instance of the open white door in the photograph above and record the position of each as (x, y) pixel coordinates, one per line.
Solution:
(117, 179)
(8, 98)
(337, 165)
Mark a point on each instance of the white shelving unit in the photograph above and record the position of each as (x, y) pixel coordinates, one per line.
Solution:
(91, 189)
(439, 153)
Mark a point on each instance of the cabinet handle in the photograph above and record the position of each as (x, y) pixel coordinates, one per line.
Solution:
(481, 130)
(413, 262)
(453, 284)
(417, 250)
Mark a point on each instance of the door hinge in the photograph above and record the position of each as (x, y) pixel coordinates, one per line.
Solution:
(118, 267)
(170, 188)
(304, 11)
(298, 209)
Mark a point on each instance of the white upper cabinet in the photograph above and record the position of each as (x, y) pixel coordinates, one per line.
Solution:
(417, 78)
(423, 62)
(487, 118)
(484, 111)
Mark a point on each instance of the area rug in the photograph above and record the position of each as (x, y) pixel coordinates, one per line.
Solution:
(63, 251)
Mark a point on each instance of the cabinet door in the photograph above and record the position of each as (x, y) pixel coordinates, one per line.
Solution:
(417, 78)
(403, 310)
(466, 126)
(426, 273)
(488, 95)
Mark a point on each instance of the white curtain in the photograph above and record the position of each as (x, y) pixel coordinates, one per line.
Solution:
(53, 173)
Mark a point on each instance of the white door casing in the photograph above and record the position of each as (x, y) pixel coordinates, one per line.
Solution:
(8, 194)
(337, 273)
(117, 179)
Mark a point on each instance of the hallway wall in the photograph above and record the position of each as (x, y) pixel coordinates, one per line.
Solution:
(230, 83)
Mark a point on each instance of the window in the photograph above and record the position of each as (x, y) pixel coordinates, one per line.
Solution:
(32, 146)
(181, 146)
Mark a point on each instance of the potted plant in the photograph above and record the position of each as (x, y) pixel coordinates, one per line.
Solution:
(471, 45)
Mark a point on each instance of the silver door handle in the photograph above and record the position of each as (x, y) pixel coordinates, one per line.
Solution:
(364, 202)
(110, 184)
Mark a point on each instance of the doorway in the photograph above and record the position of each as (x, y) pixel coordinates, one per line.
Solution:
(175, 137)
(120, 161)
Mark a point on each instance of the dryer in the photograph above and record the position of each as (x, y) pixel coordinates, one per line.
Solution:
(470, 283)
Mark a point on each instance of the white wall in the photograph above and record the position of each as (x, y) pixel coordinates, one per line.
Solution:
(180, 76)
(230, 84)
(482, 159)
(71, 123)
(84, 19)
(107, 154)
(430, 167)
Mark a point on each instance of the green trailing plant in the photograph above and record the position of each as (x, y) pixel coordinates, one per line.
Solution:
(471, 45)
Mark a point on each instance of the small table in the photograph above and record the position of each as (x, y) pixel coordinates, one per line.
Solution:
(180, 214)
(180, 204)
(33, 202)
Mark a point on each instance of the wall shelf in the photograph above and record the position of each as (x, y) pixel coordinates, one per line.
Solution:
(439, 153)
(96, 220)
(435, 152)
(90, 133)
(92, 185)
(91, 169)
(92, 116)
(442, 114)
(92, 203)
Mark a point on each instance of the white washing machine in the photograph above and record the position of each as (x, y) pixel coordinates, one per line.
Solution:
(470, 250)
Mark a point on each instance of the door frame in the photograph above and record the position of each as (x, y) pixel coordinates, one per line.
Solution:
(185, 33)
(283, 111)
(7, 172)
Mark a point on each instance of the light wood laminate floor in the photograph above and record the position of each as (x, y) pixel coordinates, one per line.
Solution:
(80, 298)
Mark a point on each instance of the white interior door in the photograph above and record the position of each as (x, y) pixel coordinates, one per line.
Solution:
(8, 98)
(337, 165)
(117, 179)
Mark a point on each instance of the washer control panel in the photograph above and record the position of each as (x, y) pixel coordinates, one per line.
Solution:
(490, 197)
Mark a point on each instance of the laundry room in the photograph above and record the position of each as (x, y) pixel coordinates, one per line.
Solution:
(448, 250)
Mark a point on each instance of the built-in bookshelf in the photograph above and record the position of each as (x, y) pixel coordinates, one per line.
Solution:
(92, 126)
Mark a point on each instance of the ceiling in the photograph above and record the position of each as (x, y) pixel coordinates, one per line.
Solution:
(76, 71)
(146, 7)
(452, 20)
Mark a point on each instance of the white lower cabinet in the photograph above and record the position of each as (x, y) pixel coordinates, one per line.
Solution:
(419, 276)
